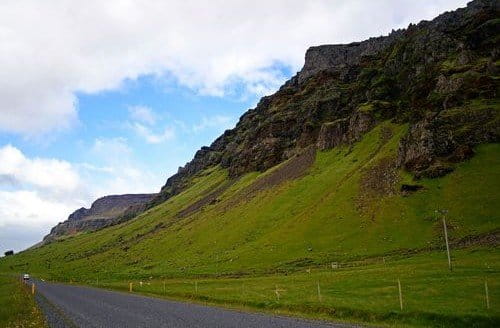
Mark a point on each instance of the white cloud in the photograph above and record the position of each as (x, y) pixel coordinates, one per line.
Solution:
(120, 171)
(50, 174)
(40, 192)
(30, 208)
(145, 132)
(218, 121)
(27, 215)
(111, 150)
(143, 123)
(142, 114)
(35, 194)
(91, 167)
(51, 50)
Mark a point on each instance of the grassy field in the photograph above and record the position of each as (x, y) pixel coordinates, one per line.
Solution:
(347, 207)
(17, 307)
(361, 291)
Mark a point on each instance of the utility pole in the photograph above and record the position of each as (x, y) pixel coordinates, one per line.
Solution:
(447, 245)
(445, 228)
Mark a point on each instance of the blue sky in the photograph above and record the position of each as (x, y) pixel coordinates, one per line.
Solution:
(111, 119)
(193, 119)
(100, 98)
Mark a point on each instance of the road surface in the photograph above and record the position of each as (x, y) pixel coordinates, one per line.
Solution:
(75, 306)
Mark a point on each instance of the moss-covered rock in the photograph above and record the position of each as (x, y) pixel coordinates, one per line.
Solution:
(429, 75)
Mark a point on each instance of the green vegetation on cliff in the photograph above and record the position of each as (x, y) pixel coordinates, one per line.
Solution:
(347, 207)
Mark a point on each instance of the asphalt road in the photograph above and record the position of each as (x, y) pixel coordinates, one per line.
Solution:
(74, 306)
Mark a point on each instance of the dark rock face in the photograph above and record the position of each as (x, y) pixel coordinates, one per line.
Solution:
(332, 134)
(439, 77)
(105, 211)
(344, 130)
(416, 150)
(341, 57)
(447, 136)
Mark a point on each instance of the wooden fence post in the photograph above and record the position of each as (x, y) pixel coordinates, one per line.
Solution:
(400, 295)
(487, 294)
(319, 292)
(277, 292)
(130, 287)
(33, 288)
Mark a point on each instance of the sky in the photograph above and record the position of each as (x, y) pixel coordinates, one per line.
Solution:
(111, 97)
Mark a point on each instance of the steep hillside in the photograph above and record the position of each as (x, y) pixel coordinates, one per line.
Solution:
(356, 160)
(105, 211)
(349, 207)
(427, 75)
(350, 203)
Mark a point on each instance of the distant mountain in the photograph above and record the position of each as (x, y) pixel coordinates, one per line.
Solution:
(105, 211)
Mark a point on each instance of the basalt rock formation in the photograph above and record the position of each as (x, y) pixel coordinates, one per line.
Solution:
(439, 77)
(105, 211)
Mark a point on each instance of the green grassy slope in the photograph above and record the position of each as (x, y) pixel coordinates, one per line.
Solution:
(347, 207)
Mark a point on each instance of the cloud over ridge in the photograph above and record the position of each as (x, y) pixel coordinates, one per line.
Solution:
(50, 51)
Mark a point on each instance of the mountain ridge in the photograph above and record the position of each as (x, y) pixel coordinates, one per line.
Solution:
(103, 212)
(345, 90)
(271, 141)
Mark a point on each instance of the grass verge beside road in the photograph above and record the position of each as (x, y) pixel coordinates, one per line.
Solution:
(431, 294)
(17, 306)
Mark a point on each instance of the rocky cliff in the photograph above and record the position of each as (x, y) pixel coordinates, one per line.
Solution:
(103, 212)
(439, 77)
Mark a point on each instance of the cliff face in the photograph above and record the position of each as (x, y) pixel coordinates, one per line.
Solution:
(440, 77)
(103, 212)
(340, 57)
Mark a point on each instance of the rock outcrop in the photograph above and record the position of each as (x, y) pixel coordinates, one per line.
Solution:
(440, 77)
(105, 211)
(341, 57)
(333, 134)
(440, 139)
(345, 130)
